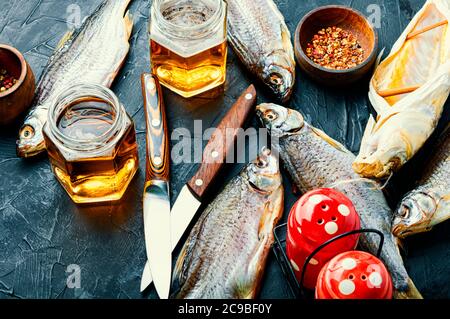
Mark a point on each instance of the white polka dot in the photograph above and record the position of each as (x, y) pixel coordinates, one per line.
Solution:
(315, 199)
(314, 262)
(346, 287)
(199, 182)
(299, 230)
(331, 228)
(344, 210)
(249, 96)
(294, 265)
(375, 279)
(349, 264)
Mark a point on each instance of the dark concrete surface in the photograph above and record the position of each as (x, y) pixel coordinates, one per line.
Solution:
(42, 231)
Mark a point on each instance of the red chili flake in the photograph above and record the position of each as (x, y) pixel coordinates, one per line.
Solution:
(6, 81)
(335, 48)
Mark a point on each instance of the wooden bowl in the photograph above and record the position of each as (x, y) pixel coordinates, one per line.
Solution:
(347, 19)
(18, 98)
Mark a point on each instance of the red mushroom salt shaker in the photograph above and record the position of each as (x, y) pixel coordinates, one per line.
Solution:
(354, 275)
(315, 218)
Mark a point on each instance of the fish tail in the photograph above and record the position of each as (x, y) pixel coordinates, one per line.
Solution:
(410, 293)
(400, 244)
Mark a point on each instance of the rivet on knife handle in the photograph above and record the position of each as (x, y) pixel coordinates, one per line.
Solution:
(157, 132)
(222, 140)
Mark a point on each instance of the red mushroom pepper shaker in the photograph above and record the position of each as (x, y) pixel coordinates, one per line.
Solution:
(354, 275)
(315, 218)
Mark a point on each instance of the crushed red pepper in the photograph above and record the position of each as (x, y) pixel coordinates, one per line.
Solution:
(6, 81)
(335, 48)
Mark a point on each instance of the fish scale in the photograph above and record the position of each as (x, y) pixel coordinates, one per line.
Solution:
(253, 31)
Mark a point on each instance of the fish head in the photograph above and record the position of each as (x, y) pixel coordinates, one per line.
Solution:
(279, 120)
(384, 149)
(382, 161)
(31, 140)
(263, 174)
(414, 214)
(279, 74)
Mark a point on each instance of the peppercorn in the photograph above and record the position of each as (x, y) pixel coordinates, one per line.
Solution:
(335, 48)
(6, 81)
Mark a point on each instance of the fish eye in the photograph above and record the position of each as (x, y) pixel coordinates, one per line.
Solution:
(271, 115)
(261, 164)
(404, 212)
(276, 79)
(27, 132)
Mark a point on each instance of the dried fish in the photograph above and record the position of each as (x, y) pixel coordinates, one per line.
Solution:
(429, 203)
(225, 254)
(406, 121)
(92, 54)
(259, 36)
(315, 160)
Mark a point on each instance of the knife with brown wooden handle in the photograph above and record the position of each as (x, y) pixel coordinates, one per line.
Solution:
(214, 157)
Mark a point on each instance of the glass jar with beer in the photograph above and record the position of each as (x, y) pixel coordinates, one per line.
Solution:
(91, 143)
(188, 46)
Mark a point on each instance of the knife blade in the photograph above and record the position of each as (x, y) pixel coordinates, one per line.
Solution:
(156, 201)
(214, 157)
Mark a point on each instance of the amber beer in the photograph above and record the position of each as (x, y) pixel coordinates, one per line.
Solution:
(91, 143)
(188, 44)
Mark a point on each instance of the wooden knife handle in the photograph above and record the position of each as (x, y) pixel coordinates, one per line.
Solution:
(158, 157)
(221, 141)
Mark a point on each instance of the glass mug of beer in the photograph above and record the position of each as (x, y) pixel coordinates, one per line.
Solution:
(188, 44)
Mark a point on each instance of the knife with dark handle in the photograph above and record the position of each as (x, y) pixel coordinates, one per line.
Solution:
(158, 155)
(214, 157)
(156, 201)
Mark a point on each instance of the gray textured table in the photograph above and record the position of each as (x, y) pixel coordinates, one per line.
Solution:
(42, 231)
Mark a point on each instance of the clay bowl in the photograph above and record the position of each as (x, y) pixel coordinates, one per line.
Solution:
(347, 19)
(18, 98)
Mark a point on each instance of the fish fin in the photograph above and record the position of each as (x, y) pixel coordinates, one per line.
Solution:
(128, 20)
(411, 292)
(330, 140)
(400, 244)
(379, 58)
(243, 288)
(248, 282)
(287, 44)
(272, 213)
(182, 265)
(178, 270)
(64, 39)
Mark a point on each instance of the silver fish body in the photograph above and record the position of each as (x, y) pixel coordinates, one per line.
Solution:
(94, 53)
(258, 34)
(429, 203)
(314, 160)
(225, 254)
